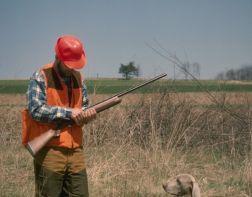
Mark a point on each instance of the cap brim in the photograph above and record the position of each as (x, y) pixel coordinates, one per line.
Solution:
(76, 64)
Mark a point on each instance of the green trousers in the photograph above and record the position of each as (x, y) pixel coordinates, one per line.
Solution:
(60, 172)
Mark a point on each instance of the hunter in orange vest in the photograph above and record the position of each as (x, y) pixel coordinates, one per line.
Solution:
(57, 91)
(57, 95)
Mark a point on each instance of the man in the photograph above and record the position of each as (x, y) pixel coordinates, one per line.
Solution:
(57, 92)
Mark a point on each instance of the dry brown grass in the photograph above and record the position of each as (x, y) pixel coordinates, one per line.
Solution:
(132, 148)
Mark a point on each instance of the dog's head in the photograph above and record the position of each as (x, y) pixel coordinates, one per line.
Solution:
(182, 185)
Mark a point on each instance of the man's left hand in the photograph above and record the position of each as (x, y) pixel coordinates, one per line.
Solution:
(88, 115)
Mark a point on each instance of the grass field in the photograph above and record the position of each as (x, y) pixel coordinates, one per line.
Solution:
(131, 149)
(113, 86)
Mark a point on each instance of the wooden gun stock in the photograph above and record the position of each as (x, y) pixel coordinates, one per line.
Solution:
(107, 104)
(35, 145)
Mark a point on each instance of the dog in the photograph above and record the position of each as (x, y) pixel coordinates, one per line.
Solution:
(182, 185)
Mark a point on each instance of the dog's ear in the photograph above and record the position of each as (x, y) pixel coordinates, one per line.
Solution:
(195, 190)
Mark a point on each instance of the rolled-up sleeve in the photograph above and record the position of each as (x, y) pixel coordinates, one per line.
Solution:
(85, 101)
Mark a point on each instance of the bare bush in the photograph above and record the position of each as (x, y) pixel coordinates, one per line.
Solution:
(133, 147)
(160, 120)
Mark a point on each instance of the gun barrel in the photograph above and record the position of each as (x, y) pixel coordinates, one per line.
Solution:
(141, 85)
(134, 88)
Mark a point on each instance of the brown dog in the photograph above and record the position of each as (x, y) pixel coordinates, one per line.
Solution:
(182, 185)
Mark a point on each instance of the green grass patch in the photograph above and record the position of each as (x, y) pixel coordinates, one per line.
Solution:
(13, 86)
(113, 86)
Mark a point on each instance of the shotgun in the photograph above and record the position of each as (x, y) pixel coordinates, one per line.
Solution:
(36, 144)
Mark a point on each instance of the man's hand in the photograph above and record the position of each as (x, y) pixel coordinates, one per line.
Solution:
(82, 117)
(89, 115)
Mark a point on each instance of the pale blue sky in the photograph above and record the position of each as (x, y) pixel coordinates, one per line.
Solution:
(215, 33)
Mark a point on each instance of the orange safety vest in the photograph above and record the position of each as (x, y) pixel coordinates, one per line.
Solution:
(57, 95)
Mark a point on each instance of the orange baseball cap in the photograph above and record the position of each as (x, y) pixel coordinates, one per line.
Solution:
(70, 51)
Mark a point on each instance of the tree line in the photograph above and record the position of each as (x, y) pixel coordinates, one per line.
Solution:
(129, 71)
(244, 73)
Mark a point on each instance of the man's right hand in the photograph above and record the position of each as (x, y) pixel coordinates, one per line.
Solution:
(77, 116)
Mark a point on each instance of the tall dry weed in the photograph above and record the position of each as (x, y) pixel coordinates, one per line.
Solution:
(132, 148)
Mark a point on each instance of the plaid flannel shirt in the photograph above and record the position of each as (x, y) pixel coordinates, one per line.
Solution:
(37, 101)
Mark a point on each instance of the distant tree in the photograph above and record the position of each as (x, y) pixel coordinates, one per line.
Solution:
(186, 68)
(196, 69)
(129, 70)
(220, 76)
(244, 73)
(193, 69)
(231, 74)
